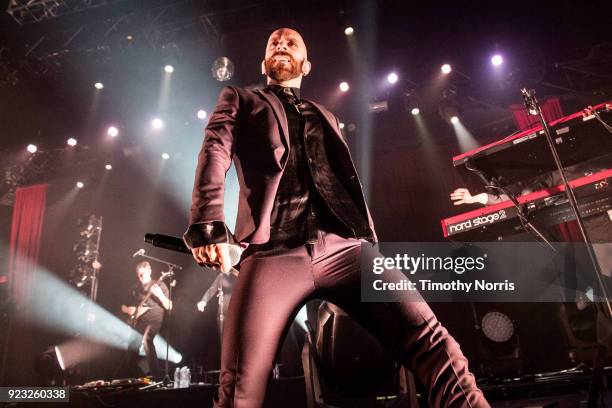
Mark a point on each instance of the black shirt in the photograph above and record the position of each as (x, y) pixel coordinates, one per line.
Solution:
(140, 291)
(310, 195)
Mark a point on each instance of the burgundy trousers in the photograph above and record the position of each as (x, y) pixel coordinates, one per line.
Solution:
(274, 284)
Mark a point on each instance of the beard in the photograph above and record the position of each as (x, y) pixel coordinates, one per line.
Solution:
(283, 72)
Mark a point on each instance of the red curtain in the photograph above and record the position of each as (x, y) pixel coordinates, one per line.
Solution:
(551, 109)
(26, 231)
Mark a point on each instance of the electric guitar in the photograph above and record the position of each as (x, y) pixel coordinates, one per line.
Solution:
(141, 309)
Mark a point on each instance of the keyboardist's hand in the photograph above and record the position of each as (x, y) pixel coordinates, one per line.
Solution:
(463, 196)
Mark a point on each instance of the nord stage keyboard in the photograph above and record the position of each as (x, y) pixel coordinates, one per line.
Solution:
(544, 207)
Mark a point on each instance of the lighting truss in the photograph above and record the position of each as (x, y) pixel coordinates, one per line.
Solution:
(33, 11)
(87, 251)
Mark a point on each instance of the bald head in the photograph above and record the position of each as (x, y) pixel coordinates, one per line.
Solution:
(286, 59)
(289, 34)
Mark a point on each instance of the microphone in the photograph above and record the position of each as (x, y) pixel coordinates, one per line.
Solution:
(138, 253)
(167, 242)
(177, 244)
(530, 100)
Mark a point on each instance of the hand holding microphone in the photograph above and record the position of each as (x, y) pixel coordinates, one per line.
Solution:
(216, 255)
(221, 256)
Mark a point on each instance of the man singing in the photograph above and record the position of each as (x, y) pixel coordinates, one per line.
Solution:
(303, 214)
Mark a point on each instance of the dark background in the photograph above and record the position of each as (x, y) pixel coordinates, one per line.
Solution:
(47, 70)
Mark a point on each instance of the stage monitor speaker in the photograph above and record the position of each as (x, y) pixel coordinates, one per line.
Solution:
(350, 358)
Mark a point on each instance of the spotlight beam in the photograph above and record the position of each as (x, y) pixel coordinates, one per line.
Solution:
(56, 306)
(464, 137)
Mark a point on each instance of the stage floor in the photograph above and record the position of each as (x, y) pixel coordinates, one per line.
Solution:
(560, 391)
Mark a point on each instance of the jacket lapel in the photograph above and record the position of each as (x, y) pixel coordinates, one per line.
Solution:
(279, 112)
(331, 121)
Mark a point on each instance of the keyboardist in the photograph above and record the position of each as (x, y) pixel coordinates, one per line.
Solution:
(598, 227)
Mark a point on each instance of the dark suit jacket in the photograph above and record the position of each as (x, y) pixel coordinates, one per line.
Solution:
(250, 128)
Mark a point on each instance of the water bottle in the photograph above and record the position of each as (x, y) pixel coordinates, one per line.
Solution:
(185, 377)
(177, 378)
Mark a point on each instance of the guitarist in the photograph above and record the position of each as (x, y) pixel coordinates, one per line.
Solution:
(147, 318)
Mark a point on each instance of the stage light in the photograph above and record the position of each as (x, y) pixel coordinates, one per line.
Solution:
(157, 123)
(71, 142)
(378, 106)
(60, 359)
(349, 31)
(497, 60)
(108, 167)
(99, 85)
(32, 148)
(169, 68)
(449, 108)
(129, 37)
(49, 365)
(80, 350)
(112, 131)
(202, 114)
(165, 156)
(341, 125)
(222, 69)
(446, 69)
(497, 327)
(411, 101)
(392, 78)
(344, 86)
(464, 137)
(80, 184)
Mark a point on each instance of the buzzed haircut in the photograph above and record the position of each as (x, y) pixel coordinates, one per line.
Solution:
(143, 264)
